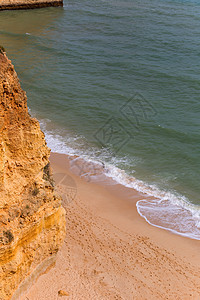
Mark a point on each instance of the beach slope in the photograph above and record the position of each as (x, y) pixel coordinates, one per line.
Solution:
(110, 252)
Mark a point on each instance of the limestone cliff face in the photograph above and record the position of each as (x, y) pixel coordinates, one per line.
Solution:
(32, 220)
(26, 4)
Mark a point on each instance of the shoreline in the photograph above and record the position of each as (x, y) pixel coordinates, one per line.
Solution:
(111, 251)
(161, 213)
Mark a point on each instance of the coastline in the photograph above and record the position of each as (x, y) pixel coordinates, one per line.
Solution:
(160, 207)
(110, 252)
(128, 236)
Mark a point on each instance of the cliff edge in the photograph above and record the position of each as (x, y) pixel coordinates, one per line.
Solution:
(26, 4)
(32, 220)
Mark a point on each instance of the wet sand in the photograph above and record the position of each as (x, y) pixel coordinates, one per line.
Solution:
(110, 252)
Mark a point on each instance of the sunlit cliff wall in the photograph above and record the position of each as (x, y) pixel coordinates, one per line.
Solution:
(32, 220)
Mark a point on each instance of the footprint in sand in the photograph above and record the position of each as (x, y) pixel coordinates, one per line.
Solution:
(66, 187)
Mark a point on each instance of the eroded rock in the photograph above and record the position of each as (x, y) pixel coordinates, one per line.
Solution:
(32, 220)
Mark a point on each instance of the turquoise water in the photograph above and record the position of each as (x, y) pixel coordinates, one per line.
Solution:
(119, 82)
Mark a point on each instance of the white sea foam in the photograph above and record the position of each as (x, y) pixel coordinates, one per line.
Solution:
(170, 211)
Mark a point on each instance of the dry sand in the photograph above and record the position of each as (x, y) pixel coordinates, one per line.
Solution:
(110, 252)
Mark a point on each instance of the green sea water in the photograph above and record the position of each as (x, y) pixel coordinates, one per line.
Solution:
(119, 82)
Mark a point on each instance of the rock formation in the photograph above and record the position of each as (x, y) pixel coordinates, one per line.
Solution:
(26, 4)
(32, 220)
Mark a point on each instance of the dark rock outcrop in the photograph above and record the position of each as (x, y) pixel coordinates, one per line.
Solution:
(27, 4)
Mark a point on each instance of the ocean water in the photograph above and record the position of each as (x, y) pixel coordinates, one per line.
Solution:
(118, 82)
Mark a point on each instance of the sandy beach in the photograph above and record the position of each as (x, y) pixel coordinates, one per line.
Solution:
(110, 252)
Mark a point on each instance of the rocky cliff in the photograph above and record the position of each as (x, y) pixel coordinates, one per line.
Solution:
(32, 220)
(26, 4)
